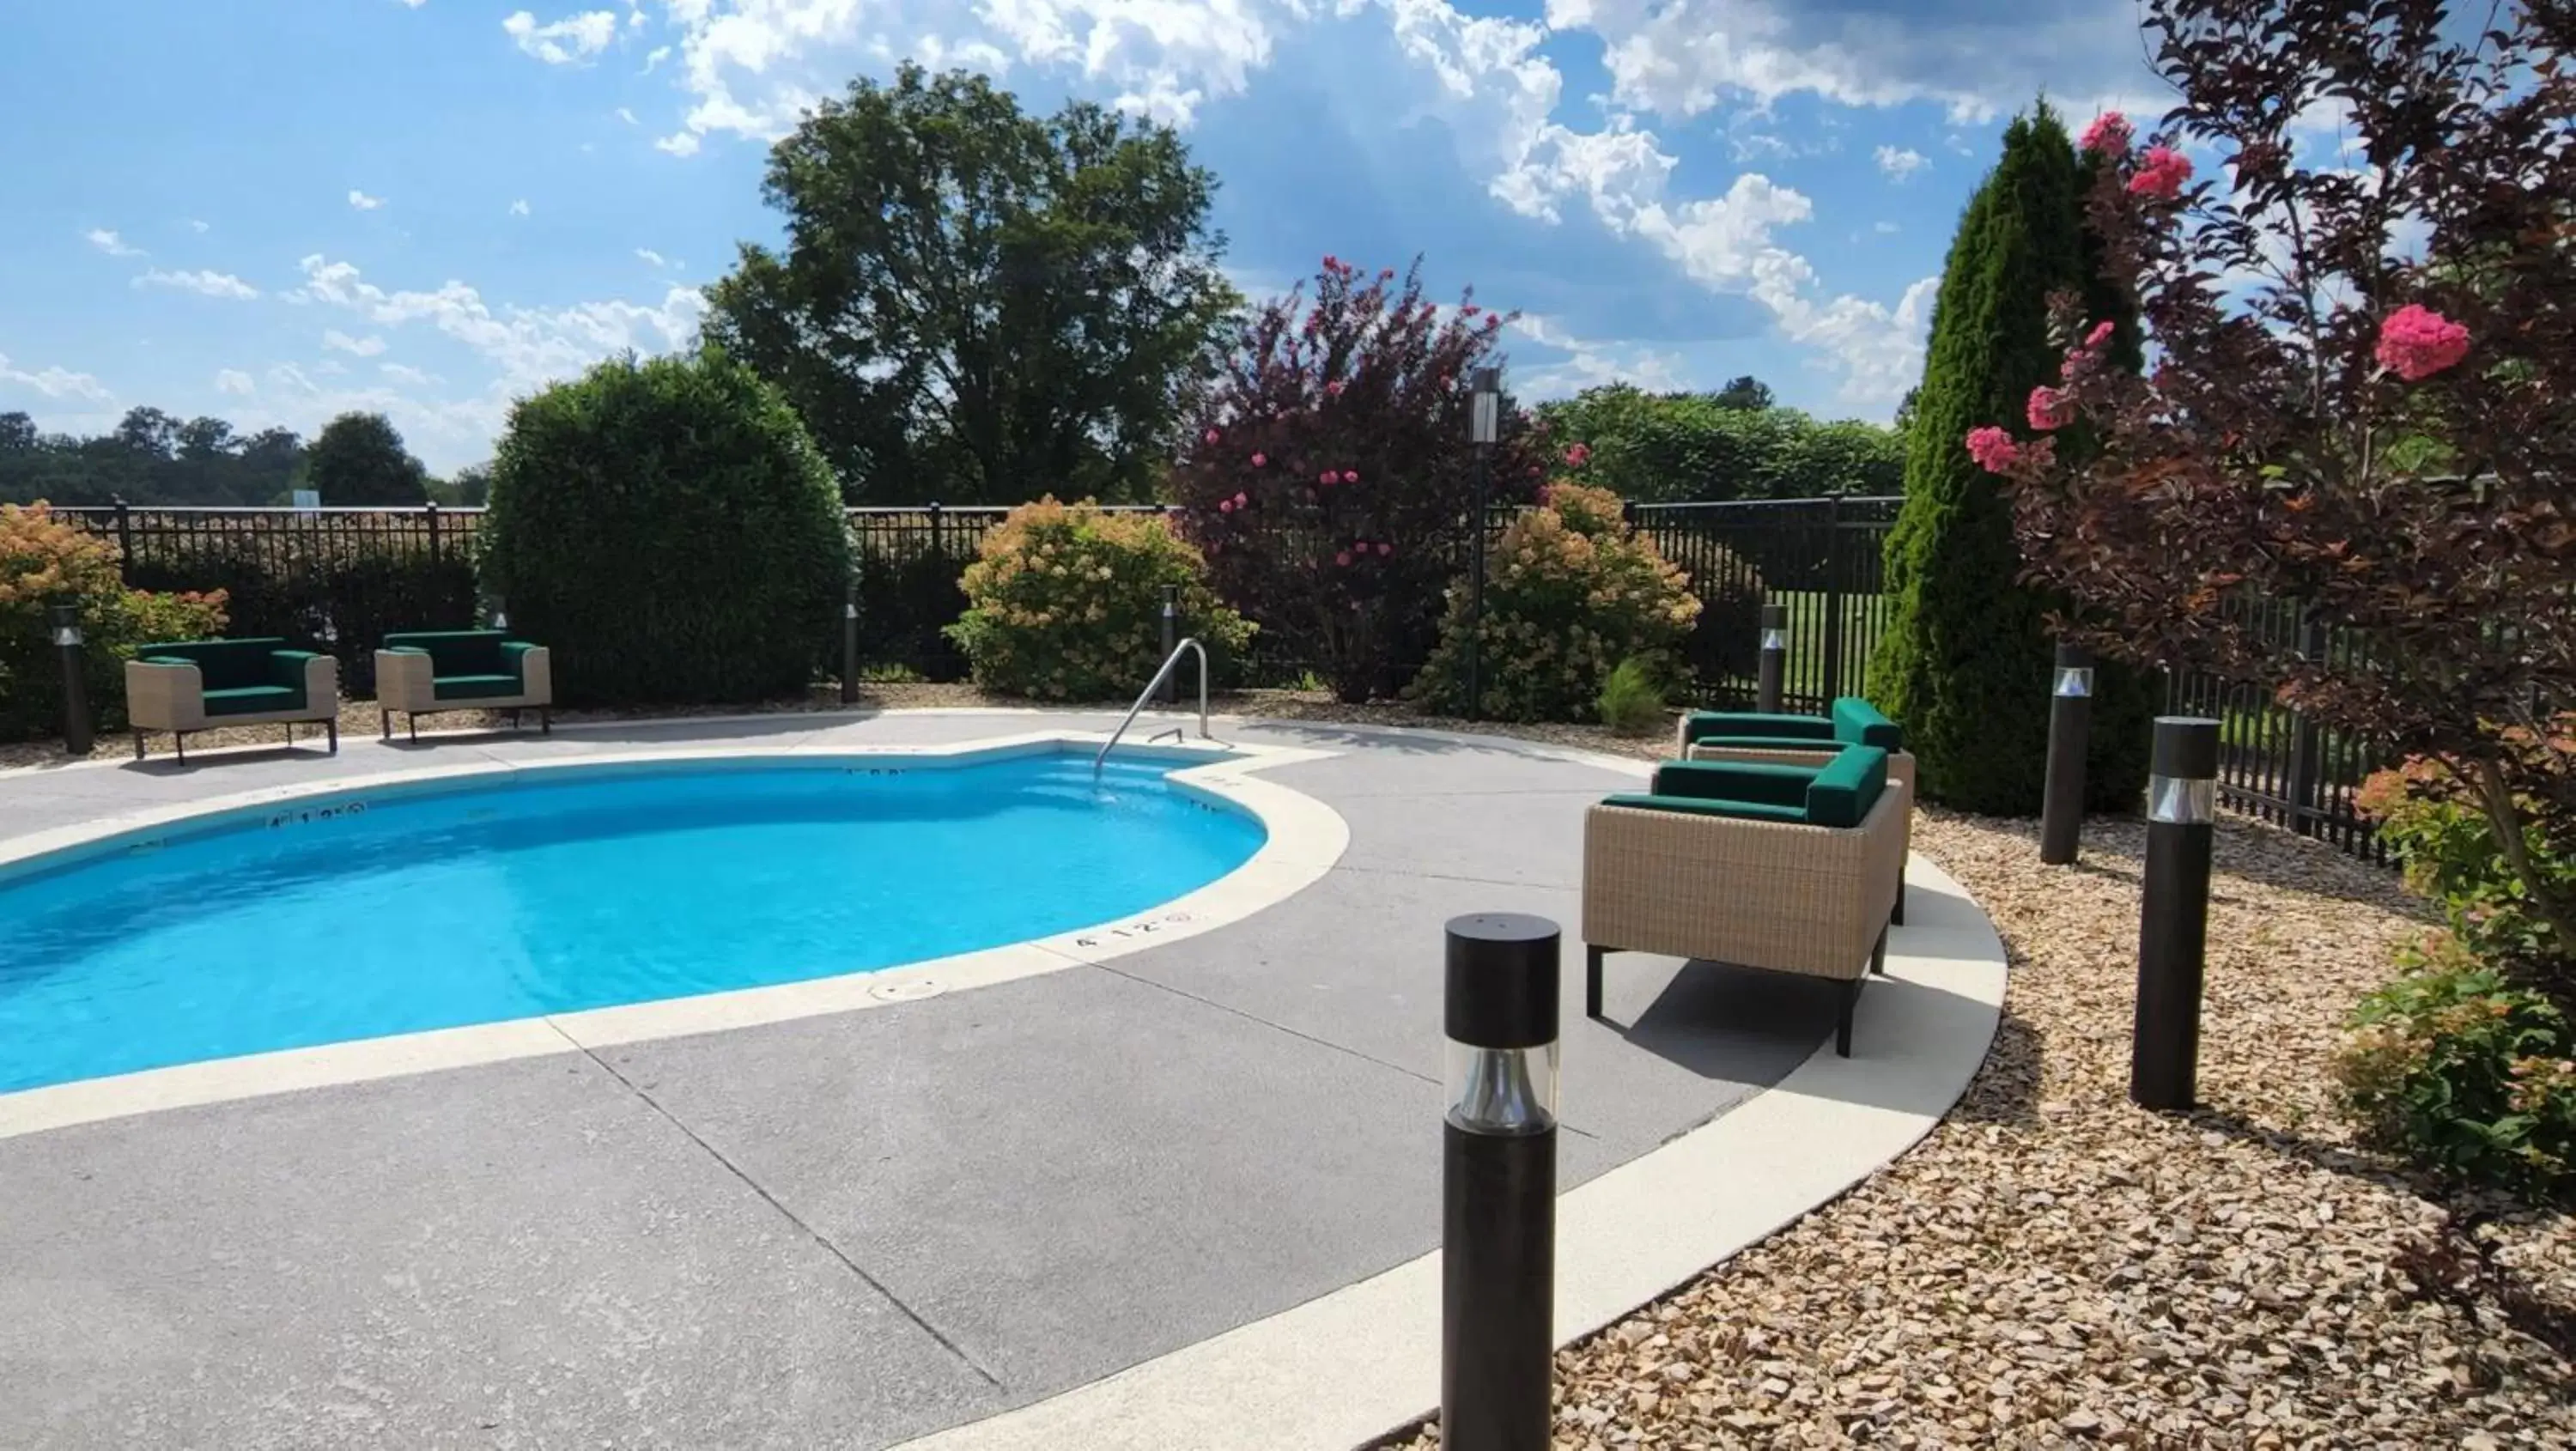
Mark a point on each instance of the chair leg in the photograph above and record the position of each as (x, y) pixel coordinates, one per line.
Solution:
(545, 720)
(1878, 955)
(1592, 979)
(290, 734)
(1842, 1028)
(1898, 916)
(385, 723)
(517, 719)
(138, 743)
(335, 735)
(411, 722)
(179, 743)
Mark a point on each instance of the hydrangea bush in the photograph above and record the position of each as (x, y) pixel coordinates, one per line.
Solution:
(1571, 592)
(45, 562)
(1065, 602)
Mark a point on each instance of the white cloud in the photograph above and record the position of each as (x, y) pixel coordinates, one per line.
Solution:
(364, 202)
(236, 382)
(1591, 363)
(405, 373)
(627, 116)
(338, 341)
(198, 227)
(415, 4)
(210, 283)
(1886, 229)
(652, 258)
(655, 57)
(54, 382)
(678, 143)
(1900, 162)
(519, 208)
(567, 41)
(110, 243)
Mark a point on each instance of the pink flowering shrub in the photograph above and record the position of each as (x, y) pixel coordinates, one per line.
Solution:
(1572, 591)
(2416, 342)
(2108, 136)
(1993, 449)
(2161, 176)
(1332, 480)
(1065, 602)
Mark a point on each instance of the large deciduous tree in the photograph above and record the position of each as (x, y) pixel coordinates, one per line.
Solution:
(2361, 400)
(1964, 663)
(976, 304)
(359, 459)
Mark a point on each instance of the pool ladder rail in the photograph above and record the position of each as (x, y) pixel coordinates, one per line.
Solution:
(1186, 647)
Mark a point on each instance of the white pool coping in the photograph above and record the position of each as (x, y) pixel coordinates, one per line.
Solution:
(1305, 838)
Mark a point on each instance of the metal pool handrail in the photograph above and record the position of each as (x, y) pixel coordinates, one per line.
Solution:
(1185, 647)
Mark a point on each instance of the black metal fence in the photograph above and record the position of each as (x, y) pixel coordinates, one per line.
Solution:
(339, 579)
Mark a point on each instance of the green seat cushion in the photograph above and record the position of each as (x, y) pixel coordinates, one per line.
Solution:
(221, 664)
(1760, 782)
(252, 700)
(1771, 743)
(473, 687)
(1710, 806)
(1712, 724)
(1859, 723)
(1849, 785)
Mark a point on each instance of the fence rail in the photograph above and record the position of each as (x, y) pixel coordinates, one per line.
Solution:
(339, 579)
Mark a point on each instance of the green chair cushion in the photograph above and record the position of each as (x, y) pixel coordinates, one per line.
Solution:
(1859, 723)
(252, 700)
(1712, 724)
(1753, 781)
(1849, 785)
(1772, 743)
(456, 652)
(221, 664)
(1710, 806)
(473, 687)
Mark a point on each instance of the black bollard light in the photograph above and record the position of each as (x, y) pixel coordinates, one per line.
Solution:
(850, 643)
(1775, 658)
(1498, 1184)
(1171, 637)
(2070, 725)
(67, 641)
(2173, 913)
(1484, 421)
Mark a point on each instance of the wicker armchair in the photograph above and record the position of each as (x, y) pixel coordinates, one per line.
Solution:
(184, 686)
(1804, 740)
(440, 670)
(1788, 868)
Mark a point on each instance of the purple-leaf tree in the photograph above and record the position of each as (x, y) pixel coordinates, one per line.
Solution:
(1328, 477)
(2361, 305)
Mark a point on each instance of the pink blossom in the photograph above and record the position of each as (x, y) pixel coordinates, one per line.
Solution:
(2101, 334)
(1350, 476)
(2049, 409)
(1225, 506)
(1993, 449)
(1383, 273)
(1326, 477)
(2163, 174)
(1493, 320)
(2415, 342)
(1241, 500)
(1332, 263)
(1469, 310)
(1211, 435)
(1334, 387)
(2108, 135)
(1384, 549)
(1259, 459)
(1578, 456)
(1343, 558)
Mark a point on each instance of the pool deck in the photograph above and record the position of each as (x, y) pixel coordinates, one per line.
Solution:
(1142, 1200)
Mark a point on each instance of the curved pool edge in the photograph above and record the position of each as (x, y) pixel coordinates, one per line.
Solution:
(1304, 840)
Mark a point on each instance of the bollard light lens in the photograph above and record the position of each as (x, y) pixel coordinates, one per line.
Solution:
(2182, 800)
(1502, 1090)
(849, 612)
(67, 634)
(1775, 639)
(2075, 681)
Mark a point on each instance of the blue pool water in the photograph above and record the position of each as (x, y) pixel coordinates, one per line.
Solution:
(346, 918)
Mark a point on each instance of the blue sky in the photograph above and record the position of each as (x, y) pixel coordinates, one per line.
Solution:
(277, 210)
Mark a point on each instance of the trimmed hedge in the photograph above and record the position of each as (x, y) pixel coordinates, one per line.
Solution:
(667, 529)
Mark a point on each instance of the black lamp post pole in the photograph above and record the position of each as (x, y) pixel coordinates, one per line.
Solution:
(850, 643)
(2070, 724)
(2173, 913)
(1774, 660)
(1484, 410)
(67, 641)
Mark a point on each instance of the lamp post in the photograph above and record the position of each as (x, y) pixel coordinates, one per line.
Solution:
(1171, 637)
(2173, 913)
(67, 640)
(1773, 663)
(1498, 1183)
(2070, 724)
(500, 613)
(850, 641)
(1484, 423)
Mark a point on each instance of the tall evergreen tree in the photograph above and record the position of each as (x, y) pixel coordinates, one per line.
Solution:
(1965, 662)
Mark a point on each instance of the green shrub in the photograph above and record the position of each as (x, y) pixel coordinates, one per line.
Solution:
(1066, 603)
(1570, 592)
(2449, 848)
(2465, 1073)
(1633, 698)
(668, 530)
(45, 562)
(338, 593)
(1965, 661)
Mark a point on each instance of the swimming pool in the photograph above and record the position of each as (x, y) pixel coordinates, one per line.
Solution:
(357, 916)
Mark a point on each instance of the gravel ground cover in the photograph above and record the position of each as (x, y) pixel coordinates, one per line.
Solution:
(2052, 1266)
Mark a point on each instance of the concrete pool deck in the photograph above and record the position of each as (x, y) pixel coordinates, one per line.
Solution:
(1183, 1195)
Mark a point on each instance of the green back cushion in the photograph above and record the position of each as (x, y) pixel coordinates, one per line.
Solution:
(221, 664)
(1756, 782)
(1704, 806)
(1843, 792)
(457, 652)
(1708, 725)
(1859, 723)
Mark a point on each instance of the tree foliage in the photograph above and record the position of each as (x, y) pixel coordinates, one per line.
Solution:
(979, 305)
(46, 562)
(2366, 364)
(150, 457)
(669, 531)
(358, 460)
(1965, 659)
(1328, 475)
(1745, 392)
(1664, 448)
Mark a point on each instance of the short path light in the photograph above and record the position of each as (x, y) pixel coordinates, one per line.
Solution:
(2070, 726)
(1498, 1184)
(850, 642)
(1484, 426)
(2173, 913)
(1774, 659)
(67, 641)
